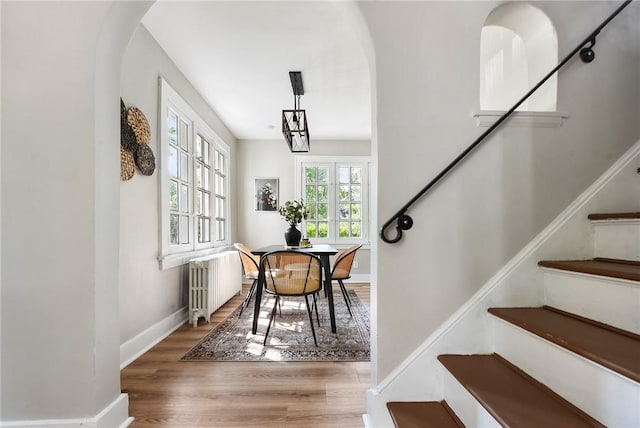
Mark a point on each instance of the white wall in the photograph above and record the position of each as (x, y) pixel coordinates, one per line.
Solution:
(272, 158)
(510, 188)
(149, 295)
(59, 295)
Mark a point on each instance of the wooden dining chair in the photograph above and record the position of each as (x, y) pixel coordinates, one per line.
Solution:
(342, 270)
(294, 274)
(250, 270)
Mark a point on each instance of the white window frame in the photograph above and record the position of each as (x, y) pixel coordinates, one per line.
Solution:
(333, 162)
(172, 255)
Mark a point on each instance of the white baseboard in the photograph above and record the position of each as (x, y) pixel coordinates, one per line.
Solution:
(135, 347)
(116, 414)
(367, 421)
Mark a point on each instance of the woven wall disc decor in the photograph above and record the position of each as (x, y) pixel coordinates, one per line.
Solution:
(145, 160)
(127, 165)
(123, 111)
(140, 125)
(127, 137)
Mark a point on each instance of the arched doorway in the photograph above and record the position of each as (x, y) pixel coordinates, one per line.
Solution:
(117, 30)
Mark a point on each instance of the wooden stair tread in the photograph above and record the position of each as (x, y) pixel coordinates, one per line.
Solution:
(615, 216)
(423, 414)
(608, 346)
(511, 396)
(623, 269)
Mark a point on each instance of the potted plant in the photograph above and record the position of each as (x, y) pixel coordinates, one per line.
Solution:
(293, 212)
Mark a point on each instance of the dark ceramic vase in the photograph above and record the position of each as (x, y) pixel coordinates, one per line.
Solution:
(292, 236)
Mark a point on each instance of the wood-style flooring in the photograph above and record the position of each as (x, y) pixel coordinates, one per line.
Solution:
(166, 392)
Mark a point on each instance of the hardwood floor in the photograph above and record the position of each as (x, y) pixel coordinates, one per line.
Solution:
(165, 392)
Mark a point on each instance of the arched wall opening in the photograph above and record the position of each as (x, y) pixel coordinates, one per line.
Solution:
(117, 30)
(518, 47)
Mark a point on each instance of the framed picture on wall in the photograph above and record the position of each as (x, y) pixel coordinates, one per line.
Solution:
(266, 194)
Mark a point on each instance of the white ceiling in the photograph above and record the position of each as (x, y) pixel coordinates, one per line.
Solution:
(238, 54)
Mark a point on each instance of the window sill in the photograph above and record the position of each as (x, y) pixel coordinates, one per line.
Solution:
(522, 119)
(174, 260)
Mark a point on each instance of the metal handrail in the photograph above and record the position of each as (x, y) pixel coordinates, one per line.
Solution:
(405, 222)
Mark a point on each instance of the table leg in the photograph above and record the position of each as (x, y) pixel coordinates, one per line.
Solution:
(326, 264)
(256, 310)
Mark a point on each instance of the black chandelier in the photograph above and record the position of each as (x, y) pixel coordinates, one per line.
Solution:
(294, 122)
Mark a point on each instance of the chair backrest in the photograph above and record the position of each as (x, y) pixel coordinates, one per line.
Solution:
(291, 273)
(344, 261)
(250, 262)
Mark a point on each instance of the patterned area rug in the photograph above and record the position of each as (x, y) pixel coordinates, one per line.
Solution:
(290, 338)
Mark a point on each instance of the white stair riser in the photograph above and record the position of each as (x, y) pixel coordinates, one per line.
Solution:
(464, 405)
(617, 239)
(605, 395)
(609, 300)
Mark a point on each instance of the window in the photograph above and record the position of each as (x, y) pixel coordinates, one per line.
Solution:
(194, 182)
(336, 191)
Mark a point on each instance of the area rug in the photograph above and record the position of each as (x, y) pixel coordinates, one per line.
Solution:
(290, 338)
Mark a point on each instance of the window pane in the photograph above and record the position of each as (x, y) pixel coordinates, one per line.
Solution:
(312, 212)
(205, 178)
(323, 211)
(310, 192)
(199, 198)
(355, 212)
(198, 146)
(310, 174)
(220, 208)
(198, 175)
(220, 188)
(172, 126)
(323, 175)
(172, 162)
(323, 193)
(323, 229)
(344, 229)
(207, 204)
(222, 166)
(173, 228)
(311, 230)
(184, 135)
(355, 193)
(344, 193)
(356, 230)
(356, 175)
(205, 152)
(173, 195)
(184, 198)
(184, 167)
(344, 211)
(184, 229)
(343, 173)
(204, 232)
(222, 235)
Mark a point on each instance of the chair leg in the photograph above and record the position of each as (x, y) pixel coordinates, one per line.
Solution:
(272, 320)
(250, 294)
(315, 306)
(344, 288)
(347, 300)
(313, 330)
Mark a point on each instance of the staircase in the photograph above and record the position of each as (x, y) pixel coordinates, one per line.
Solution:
(573, 362)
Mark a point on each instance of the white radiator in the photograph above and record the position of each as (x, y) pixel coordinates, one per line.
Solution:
(213, 280)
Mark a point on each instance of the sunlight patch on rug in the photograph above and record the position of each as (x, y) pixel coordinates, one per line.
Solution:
(290, 338)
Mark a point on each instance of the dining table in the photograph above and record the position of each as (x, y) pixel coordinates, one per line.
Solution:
(323, 251)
